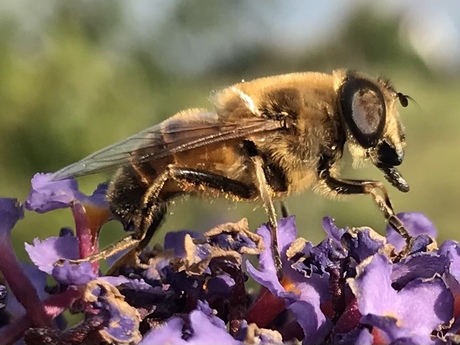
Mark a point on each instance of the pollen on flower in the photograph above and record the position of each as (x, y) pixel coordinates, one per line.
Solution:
(289, 285)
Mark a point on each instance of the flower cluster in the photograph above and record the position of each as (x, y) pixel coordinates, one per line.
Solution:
(354, 287)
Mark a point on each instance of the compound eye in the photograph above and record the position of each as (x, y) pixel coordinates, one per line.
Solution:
(363, 109)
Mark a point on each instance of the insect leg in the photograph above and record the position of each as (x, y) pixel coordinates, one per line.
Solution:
(284, 210)
(152, 213)
(142, 239)
(373, 188)
(156, 198)
(125, 243)
(192, 181)
(239, 190)
(265, 195)
(268, 178)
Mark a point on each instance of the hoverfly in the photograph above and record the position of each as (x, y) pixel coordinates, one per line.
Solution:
(264, 140)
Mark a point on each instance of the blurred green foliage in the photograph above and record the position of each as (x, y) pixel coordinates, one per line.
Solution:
(82, 79)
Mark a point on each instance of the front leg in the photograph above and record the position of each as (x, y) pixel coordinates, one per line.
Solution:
(373, 188)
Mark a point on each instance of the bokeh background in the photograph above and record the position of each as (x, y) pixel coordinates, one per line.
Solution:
(76, 76)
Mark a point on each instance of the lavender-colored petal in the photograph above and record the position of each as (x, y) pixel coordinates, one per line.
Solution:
(115, 281)
(267, 275)
(268, 336)
(138, 285)
(204, 308)
(286, 233)
(332, 230)
(431, 303)
(159, 302)
(44, 254)
(308, 314)
(418, 265)
(158, 267)
(71, 274)
(390, 331)
(415, 223)
(362, 243)
(47, 195)
(372, 286)
(303, 296)
(99, 196)
(309, 259)
(169, 333)
(206, 331)
(197, 256)
(355, 336)
(10, 212)
(416, 340)
(199, 331)
(422, 243)
(451, 251)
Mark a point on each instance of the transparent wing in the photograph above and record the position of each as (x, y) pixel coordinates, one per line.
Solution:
(180, 133)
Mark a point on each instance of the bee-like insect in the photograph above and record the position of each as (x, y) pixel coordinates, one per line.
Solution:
(265, 140)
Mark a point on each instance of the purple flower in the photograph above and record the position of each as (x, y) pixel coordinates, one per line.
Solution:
(360, 336)
(225, 242)
(413, 312)
(302, 296)
(451, 251)
(44, 254)
(90, 212)
(198, 263)
(70, 274)
(198, 329)
(48, 195)
(419, 265)
(355, 286)
(332, 230)
(362, 243)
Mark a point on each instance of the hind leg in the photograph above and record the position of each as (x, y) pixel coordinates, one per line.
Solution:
(153, 207)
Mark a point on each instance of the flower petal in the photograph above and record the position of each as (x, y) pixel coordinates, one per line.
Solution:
(44, 254)
(71, 274)
(47, 195)
(10, 212)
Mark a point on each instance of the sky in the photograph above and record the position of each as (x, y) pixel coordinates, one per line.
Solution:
(431, 28)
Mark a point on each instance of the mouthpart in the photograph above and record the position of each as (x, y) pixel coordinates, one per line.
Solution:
(395, 178)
